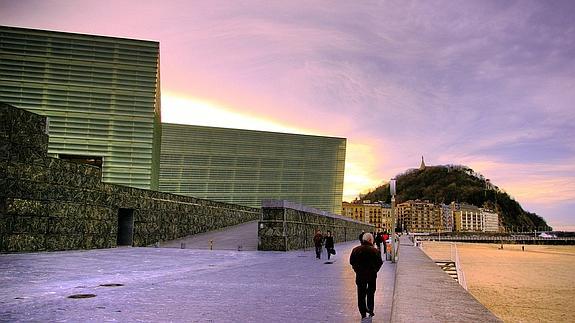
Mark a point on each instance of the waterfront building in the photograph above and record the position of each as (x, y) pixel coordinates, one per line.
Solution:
(101, 96)
(378, 214)
(467, 217)
(490, 220)
(354, 210)
(470, 218)
(245, 166)
(446, 218)
(384, 221)
(419, 216)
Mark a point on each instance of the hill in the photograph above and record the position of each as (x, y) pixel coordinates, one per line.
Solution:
(446, 184)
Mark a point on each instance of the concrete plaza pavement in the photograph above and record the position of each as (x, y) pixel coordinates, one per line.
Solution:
(185, 285)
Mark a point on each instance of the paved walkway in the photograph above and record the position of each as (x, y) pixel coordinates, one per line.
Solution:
(184, 285)
(244, 236)
(426, 293)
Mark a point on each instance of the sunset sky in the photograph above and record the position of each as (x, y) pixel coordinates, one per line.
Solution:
(486, 84)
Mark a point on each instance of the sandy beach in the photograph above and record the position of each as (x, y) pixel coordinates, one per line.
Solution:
(535, 285)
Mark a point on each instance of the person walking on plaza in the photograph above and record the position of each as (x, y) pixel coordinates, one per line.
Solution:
(361, 235)
(385, 246)
(384, 243)
(366, 262)
(378, 240)
(317, 241)
(329, 245)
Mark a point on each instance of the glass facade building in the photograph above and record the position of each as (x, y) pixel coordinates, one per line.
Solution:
(245, 166)
(101, 96)
(102, 99)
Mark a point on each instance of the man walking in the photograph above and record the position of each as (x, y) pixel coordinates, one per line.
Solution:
(361, 236)
(378, 240)
(329, 244)
(366, 262)
(317, 241)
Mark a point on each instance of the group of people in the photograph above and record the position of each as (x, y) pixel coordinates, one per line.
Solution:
(320, 240)
(365, 259)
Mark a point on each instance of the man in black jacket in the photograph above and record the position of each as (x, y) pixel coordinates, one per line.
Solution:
(329, 244)
(366, 262)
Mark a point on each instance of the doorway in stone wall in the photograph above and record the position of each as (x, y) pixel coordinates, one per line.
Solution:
(125, 227)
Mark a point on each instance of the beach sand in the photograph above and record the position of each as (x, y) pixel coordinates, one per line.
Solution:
(535, 285)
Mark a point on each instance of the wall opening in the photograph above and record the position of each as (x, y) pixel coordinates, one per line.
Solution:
(125, 227)
(80, 159)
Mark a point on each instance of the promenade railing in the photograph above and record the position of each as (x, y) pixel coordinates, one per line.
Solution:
(493, 238)
(460, 274)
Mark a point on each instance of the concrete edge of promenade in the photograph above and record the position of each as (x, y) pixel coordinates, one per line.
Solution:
(425, 293)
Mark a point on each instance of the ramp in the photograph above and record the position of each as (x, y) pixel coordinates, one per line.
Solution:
(241, 237)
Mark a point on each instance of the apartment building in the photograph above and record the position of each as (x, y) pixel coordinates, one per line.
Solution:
(378, 214)
(419, 216)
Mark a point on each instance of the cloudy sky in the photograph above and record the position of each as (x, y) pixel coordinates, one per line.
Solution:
(487, 84)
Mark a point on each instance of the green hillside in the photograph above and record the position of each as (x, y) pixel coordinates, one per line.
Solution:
(445, 184)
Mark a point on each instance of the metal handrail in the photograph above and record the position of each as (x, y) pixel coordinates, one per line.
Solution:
(479, 238)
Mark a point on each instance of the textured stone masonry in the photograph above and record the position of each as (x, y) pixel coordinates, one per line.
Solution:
(51, 204)
(288, 226)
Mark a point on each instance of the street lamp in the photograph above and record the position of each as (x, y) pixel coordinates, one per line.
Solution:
(392, 192)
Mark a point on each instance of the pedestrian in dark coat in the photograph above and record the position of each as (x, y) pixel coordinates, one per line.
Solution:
(366, 262)
(317, 241)
(361, 236)
(329, 245)
(378, 240)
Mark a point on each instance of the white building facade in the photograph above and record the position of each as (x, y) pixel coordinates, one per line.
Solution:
(490, 220)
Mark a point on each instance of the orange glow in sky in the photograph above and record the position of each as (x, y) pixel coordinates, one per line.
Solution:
(189, 110)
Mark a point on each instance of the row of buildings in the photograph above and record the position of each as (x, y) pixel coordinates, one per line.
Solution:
(101, 96)
(423, 216)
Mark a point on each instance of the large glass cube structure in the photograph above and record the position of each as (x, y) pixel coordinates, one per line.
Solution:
(102, 99)
(101, 96)
(246, 166)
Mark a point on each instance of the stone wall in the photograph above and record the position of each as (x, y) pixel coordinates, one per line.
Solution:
(51, 204)
(288, 226)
